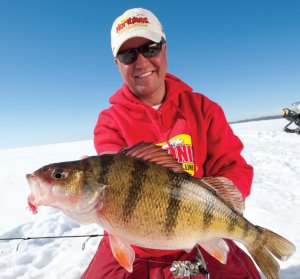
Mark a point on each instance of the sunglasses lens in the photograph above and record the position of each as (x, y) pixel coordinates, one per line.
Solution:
(151, 50)
(128, 56)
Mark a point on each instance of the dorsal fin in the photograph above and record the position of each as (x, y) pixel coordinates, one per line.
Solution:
(148, 151)
(226, 190)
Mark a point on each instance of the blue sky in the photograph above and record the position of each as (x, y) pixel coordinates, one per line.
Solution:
(57, 70)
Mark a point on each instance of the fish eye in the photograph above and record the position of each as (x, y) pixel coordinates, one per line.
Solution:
(59, 174)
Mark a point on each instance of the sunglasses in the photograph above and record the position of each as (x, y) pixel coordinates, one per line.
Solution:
(128, 56)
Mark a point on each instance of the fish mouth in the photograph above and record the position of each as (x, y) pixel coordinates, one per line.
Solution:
(38, 194)
(31, 204)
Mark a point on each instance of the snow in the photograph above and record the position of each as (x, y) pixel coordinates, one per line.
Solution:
(273, 203)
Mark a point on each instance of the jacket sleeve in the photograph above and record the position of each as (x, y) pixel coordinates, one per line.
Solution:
(107, 138)
(224, 152)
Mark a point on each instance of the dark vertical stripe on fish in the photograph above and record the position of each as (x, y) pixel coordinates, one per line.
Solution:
(106, 161)
(138, 176)
(258, 235)
(246, 229)
(208, 214)
(173, 204)
(232, 222)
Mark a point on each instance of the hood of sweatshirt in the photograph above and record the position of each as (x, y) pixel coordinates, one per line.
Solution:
(125, 98)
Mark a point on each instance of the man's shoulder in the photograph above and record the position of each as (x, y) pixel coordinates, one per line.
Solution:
(198, 97)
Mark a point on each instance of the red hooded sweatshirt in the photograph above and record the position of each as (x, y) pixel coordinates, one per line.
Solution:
(194, 129)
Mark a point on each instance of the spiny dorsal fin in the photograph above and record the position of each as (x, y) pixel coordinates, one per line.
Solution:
(227, 190)
(148, 151)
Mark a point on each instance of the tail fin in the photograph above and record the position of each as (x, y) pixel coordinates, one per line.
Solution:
(271, 244)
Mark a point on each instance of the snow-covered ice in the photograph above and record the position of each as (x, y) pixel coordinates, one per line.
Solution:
(274, 203)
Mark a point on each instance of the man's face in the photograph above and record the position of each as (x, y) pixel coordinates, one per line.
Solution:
(145, 76)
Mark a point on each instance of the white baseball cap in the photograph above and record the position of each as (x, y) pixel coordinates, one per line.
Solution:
(137, 22)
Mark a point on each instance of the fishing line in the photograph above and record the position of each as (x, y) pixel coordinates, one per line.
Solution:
(88, 236)
(153, 261)
(179, 268)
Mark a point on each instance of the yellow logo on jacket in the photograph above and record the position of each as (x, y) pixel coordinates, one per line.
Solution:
(181, 148)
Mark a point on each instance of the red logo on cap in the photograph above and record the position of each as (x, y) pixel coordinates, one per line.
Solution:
(131, 20)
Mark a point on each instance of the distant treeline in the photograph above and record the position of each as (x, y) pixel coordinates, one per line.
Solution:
(257, 119)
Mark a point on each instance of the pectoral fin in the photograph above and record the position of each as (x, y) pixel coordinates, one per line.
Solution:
(123, 252)
(217, 248)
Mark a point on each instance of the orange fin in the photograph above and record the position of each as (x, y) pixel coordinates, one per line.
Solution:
(217, 248)
(123, 252)
(148, 151)
(226, 190)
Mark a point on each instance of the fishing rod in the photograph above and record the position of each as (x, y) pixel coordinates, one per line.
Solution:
(179, 269)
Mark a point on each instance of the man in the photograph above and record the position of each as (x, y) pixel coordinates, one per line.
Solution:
(155, 106)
